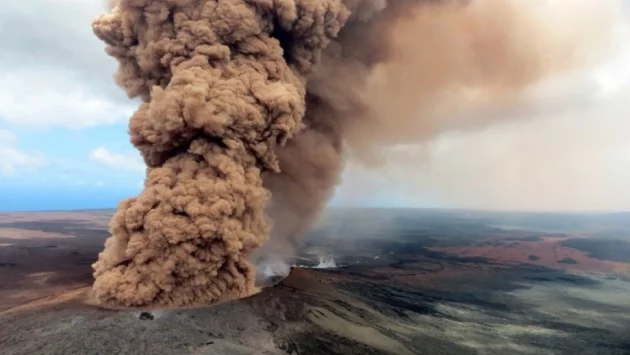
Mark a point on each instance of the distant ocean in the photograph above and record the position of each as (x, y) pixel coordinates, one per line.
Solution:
(46, 199)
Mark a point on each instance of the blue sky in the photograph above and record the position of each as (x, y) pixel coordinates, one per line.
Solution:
(64, 143)
(64, 169)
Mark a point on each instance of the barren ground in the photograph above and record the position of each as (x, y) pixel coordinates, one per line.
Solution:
(406, 282)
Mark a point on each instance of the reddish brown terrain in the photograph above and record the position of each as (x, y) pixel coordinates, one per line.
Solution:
(46, 254)
(546, 252)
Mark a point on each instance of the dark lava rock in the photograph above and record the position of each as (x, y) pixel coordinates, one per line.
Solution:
(568, 261)
(146, 316)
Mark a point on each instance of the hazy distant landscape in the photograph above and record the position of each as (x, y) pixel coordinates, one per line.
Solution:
(394, 281)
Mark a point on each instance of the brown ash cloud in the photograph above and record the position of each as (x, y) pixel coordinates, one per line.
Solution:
(251, 107)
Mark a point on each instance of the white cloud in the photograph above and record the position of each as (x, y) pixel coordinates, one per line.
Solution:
(57, 73)
(7, 137)
(45, 98)
(118, 161)
(12, 160)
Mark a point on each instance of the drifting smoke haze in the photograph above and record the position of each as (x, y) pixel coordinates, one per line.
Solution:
(252, 108)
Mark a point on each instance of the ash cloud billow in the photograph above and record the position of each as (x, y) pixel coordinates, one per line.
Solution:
(250, 109)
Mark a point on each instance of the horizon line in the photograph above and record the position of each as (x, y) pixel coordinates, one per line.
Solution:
(444, 209)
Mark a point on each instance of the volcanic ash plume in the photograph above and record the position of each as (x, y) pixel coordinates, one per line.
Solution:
(219, 98)
(248, 104)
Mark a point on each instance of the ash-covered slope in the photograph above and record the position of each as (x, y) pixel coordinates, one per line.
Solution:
(344, 312)
(303, 314)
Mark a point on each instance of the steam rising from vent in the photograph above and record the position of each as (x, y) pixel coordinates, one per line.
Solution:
(251, 107)
(326, 262)
(274, 268)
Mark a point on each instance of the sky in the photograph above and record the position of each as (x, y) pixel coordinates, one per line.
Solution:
(64, 143)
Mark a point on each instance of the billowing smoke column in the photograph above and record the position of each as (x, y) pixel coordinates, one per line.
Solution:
(251, 106)
(221, 95)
